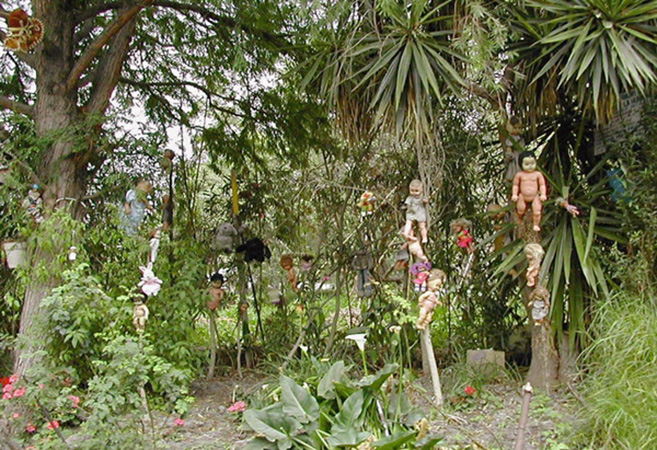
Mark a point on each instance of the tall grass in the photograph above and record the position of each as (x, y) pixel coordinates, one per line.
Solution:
(621, 387)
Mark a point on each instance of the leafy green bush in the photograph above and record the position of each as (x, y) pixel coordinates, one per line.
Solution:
(620, 388)
(331, 410)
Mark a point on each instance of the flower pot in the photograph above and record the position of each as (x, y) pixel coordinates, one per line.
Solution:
(16, 253)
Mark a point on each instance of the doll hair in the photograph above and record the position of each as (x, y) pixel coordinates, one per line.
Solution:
(416, 184)
(525, 154)
(462, 223)
(217, 278)
(534, 251)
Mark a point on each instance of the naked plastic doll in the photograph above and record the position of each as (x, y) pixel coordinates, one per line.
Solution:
(216, 291)
(534, 253)
(287, 263)
(529, 187)
(539, 302)
(430, 298)
(416, 211)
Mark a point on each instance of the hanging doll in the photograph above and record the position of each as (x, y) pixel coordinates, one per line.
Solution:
(140, 316)
(24, 32)
(215, 290)
(167, 212)
(513, 145)
(224, 238)
(420, 272)
(149, 284)
(154, 244)
(33, 203)
(529, 187)
(363, 263)
(539, 302)
(287, 263)
(306, 264)
(167, 160)
(135, 206)
(416, 211)
(366, 203)
(254, 250)
(430, 298)
(534, 254)
(461, 229)
(571, 209)
(497, 215)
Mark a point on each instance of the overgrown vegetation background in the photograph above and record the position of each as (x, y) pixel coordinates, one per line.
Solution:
(306, 111)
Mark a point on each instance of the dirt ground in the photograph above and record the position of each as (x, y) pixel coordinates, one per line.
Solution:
(488, 420)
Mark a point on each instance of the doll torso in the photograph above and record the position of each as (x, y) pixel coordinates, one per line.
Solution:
(529, 184)
(415, 208)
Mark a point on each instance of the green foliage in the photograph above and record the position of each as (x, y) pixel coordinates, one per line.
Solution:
(331, 410)
(619, 389)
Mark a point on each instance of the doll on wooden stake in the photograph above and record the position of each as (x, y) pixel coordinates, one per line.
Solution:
(534, 254)
(429, 299)
(420, 272)
(363, 262)
(215, 289)
(366, 203)
(416, 211)
(529, 187)
(140, 316)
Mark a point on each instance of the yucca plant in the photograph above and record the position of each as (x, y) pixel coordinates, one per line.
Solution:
(594, 49)
(572, 269)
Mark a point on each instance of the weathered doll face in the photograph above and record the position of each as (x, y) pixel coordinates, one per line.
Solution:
(529, 164)
(415, 191)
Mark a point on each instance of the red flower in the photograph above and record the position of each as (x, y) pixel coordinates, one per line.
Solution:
(31, 428)
(4, 381)
(179, 422)
(75, 400)
(237, 407)
(54, 424)
(469, 390)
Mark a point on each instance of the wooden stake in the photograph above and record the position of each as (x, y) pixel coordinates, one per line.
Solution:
(433, 368)
(524, 415)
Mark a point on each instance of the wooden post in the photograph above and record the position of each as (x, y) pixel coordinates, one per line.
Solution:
(433, 368)
(524, 415)
(213, 345)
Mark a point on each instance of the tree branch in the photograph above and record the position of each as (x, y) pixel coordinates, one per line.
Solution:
(99, 9)
(7, 103)
(226, 21)
(110, 67)
(94, 49)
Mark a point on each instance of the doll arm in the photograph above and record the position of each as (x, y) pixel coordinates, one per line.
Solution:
(516, 187)
(542, 186)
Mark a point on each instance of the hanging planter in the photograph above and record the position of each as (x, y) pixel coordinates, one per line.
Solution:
(16, 252)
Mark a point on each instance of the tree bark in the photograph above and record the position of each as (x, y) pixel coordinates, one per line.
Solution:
(544, 368)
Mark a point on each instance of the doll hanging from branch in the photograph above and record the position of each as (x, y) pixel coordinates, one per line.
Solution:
(430, 298)
(534, 254)
(420, 273)
(363, 262)
(461, 229)
(287, 263)
(529, 188)
(140, 316)
(366, 203)
(513, 145)
(416, 211)
(216, 291)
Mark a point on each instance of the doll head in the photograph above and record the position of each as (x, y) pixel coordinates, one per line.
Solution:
(540, 293)
(216, 280)
(514, 125)
(415, 188)
(527, 161)
(459, 225)
(144, 186)
(420, 267)
(534, 253)
(286, 262)
(436, 279)
(169, 154)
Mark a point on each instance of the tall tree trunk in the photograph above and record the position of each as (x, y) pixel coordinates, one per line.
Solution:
(544, 368)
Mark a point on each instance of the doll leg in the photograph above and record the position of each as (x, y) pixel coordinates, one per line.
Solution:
(423, 232)
(408, 230)
(537, 212)
(521, 207)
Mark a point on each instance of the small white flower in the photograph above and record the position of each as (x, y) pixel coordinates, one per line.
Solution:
(360, 339)
(304, 348)
(395, 329)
